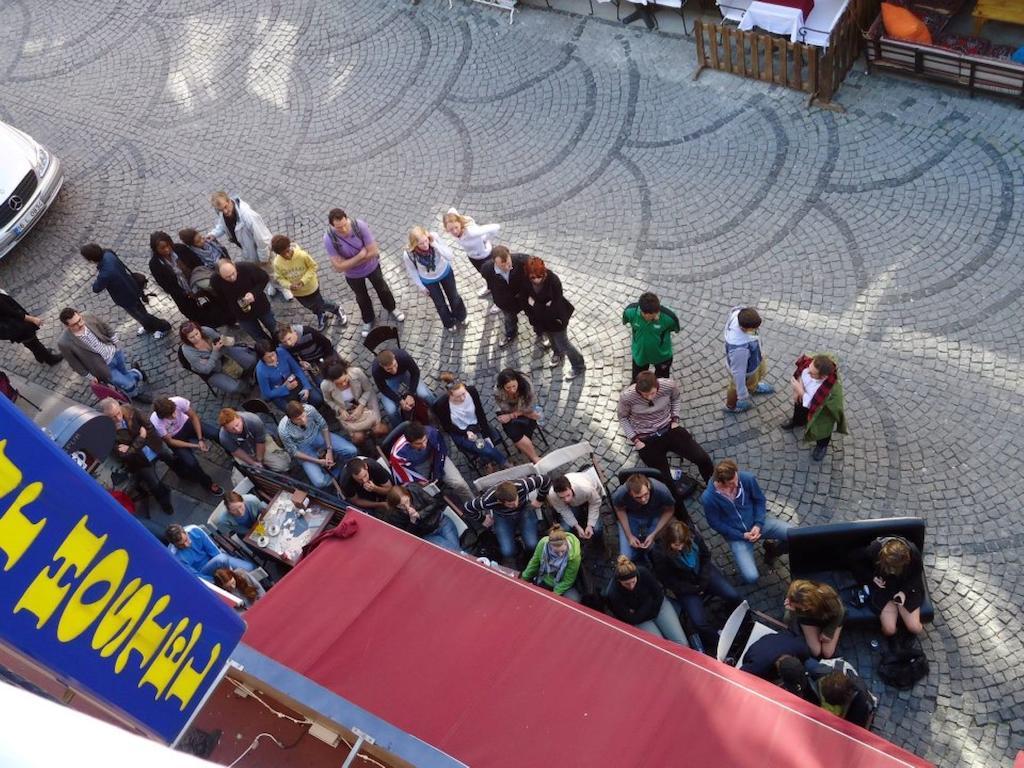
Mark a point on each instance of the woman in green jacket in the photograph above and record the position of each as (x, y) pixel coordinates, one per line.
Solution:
(817, 401)
(555, 563)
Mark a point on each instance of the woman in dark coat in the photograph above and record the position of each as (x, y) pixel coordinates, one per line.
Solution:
(891, 569)
(549, 311)
(683, 565)
(113, 277)
(171, 266)
(19, 327)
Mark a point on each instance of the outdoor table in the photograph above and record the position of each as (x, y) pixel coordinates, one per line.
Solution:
(289, 523)
(782, 19)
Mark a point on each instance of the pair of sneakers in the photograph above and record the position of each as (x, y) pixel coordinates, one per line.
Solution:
(156, 334)
(321, 320)
(745, 405)
(396, 316)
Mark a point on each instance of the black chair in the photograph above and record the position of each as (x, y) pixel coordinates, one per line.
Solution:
(379, 335)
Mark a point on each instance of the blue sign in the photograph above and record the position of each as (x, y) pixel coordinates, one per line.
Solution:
(91, 595)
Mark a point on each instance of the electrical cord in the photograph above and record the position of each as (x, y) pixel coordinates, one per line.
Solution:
(282, 715)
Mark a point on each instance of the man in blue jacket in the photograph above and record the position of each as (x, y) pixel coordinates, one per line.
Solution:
(113, 277)
(420, 455)
(282, 379)
(734, 505)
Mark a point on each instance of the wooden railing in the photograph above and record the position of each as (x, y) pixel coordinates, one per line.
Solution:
(763, 56)
(757, 55)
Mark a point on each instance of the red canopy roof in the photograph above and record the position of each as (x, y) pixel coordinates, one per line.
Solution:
(499, 673)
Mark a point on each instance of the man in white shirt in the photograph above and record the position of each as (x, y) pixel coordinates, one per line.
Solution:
(577, 500)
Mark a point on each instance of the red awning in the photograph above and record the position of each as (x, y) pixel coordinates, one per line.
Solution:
(498, 673)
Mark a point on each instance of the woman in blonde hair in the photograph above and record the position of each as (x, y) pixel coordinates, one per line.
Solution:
(818, 611)
(635, 597)
(475, 240)
(429, 264)
(555, 563)
(891, 570)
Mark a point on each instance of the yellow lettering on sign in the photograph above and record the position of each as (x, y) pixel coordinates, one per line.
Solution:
(78, 615)
(125, 613)
(17, 532)
(189, 679)
(45, 594)
(170, 657)
(147, 637)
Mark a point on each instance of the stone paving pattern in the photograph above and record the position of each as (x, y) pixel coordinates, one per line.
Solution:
(889, 234)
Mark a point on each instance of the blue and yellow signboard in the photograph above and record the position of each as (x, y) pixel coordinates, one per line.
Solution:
(91, 595)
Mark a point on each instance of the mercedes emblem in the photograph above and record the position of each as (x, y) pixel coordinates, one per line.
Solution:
(15, 202)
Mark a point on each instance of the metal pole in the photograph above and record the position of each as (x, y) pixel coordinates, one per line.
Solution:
(353, 752)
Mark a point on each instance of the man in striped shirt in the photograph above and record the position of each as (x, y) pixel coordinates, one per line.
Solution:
(507, 508)
(649, 412)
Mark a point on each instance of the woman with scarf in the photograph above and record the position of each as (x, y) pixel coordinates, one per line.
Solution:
(549, 311)
(555, 563)
(237, 221)
(429, 264)
(683, 565)
(207, 249)
(475, 240)
(817, 401)
(171, 265)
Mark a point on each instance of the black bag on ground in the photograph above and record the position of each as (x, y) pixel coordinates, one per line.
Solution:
(903, 665)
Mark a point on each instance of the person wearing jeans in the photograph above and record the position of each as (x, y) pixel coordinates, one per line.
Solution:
(505, 274)
(635, 597)
(507, 508)
(397, 377)
(549, 312)
(429, 263)
(175, 421)
(461, 416)
(649, 412)
(281, 378)
(305, 436)
(295, 270)
(90, 347)
(113, 277)
(193, 548)
(355, 254)
(420, 455)
(683, 565)
(735, 506)
(643, 507)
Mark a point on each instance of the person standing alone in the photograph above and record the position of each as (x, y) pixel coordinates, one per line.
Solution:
(652, 325)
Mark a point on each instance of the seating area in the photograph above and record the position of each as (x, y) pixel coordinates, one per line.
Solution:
(918, 40)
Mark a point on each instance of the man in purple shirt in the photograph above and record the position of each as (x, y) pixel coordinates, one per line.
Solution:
(354, 253)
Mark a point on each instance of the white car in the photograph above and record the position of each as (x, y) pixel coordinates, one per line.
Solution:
(30, 178)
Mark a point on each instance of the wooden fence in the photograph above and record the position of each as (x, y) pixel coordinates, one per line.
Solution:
(770, 58)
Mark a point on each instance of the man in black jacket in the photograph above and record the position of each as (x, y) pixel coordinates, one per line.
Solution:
(241, 287)
(19, 327)
(505, 274)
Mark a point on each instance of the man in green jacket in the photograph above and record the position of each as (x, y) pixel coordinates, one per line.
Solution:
(652, 326)
(817, 401)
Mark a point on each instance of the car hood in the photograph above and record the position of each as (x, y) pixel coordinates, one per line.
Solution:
(18, 152)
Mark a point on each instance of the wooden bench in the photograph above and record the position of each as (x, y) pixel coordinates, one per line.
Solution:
(1011, 11)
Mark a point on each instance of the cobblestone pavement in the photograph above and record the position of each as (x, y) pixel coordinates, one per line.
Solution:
(889, 234)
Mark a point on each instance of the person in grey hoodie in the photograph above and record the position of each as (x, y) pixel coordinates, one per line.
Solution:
(744, 359)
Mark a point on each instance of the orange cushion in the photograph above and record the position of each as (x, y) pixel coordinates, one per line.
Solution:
(904, 25)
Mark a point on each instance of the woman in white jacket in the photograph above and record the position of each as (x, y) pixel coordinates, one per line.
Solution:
(429, 264)
(475, 240)
(246, 229)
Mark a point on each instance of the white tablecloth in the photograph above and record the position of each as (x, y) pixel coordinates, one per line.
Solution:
(779, 19)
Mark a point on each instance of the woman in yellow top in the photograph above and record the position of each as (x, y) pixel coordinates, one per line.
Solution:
(295, 271)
